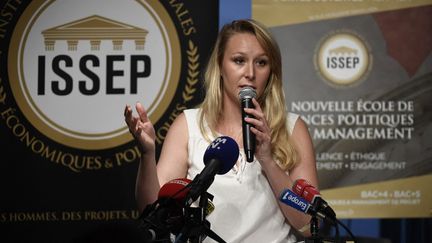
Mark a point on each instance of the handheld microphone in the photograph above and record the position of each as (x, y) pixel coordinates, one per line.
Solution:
(304, 189)
(219, 157)
(246, 95)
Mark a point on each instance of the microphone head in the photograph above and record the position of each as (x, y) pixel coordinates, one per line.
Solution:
(175, 189)
(173, 193)
(168, 214)
(225, 150)
(303, 188)
(300, 185)
(247, 93)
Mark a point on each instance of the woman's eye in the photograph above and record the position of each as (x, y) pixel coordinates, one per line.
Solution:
(238, 60)
(262, 62)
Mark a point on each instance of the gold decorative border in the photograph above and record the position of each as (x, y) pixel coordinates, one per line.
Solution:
(193, 71)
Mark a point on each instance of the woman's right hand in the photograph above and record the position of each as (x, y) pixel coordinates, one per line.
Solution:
(141, 127)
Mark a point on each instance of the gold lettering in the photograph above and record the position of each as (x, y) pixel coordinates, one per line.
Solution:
(2, 93)
(37, 146)
(162, 132)
(135, 214)
(71, 216)
(9, 121)
(68, 161)
(7, 113)
(187, 26)
(47, 154)
(189, 31)
(74, 162)
(27, 138)
(30, 216)
(3, 217)
(3, 25)
(105, 215)
(183, 16)
(6, 15)
(128, 156)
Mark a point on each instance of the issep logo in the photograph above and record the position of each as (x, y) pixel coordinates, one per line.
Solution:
(74, 72)
(72, 66)
(343, 59)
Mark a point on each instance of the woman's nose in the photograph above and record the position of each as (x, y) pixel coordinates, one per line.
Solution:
(249, 71)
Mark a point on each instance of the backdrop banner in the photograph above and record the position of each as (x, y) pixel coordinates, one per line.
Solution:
(67, 70)
(361, 78)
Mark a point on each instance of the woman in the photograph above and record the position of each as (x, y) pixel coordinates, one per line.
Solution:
(246, 202)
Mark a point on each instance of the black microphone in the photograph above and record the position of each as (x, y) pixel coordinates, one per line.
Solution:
(155, 217)
(219, 157)
(165, 215)
(246, 95)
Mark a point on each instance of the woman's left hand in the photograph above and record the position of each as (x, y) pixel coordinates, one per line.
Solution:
(261, 130)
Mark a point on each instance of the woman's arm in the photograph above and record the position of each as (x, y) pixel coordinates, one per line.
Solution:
(305, 169)
(278, 179)
(172, 162)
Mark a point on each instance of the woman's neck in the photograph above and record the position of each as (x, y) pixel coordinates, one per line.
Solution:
(230, 123)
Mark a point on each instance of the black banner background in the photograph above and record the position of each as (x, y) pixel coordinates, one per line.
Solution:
(41, 201)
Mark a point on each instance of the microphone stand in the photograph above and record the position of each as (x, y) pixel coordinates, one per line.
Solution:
(196, 227)
(314, 225)
(151, 222)
(314, 228)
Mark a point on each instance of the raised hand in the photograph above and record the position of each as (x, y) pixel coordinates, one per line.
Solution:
(141, 127)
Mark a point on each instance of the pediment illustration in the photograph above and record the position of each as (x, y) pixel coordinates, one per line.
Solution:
(94, 28)
(342, 51)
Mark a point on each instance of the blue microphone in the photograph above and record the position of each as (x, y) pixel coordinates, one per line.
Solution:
(224, 152)
(219, 157)
(293, 200)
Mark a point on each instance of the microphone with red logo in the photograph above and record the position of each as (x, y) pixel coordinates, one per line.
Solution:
(165, 215)
(178, 189)
(317, 206)
(293, 200)
(305, 190)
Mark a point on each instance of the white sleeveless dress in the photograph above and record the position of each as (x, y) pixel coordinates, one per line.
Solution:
(246, 209)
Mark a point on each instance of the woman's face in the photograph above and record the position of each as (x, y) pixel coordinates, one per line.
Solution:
(244, 63)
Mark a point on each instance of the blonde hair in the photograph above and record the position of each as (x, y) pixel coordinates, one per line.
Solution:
(272, 101)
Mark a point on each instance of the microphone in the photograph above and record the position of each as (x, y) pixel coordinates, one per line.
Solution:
(304, 189)
(291, 199)
(165, 215)
(178, 189)
(246, 95)
(219, 157)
